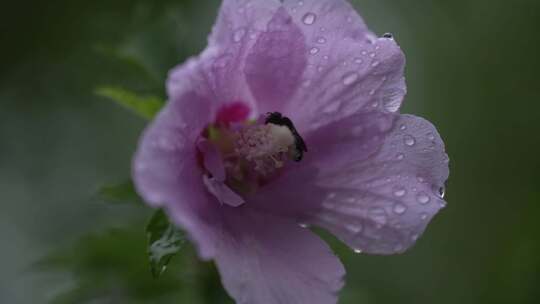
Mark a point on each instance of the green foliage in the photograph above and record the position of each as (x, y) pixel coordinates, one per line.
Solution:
(120, 193)
(164, 242)
(144, 106)
(112, 266)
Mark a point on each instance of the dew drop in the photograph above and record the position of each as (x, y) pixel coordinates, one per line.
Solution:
(303, 225)
(400, 156)
(431, 136)
(409, 140)
(309, 18)
(424, 216)
(398, 248)
(321, 40)
(350, 78)
(354, 228)
(239, 34)
(314, 51)
(378, 215)
(358, 60)
(423, 198)
(358, 251)
(400, 208)
(375, 64)
(400, 192)
(403, 127)
(441, 191)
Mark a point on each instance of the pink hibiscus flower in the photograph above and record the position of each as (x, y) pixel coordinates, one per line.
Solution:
(289, 118)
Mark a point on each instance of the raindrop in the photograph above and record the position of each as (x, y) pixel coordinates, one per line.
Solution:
(309, 18)
(314, 51)
(424, 216)
(403, 127)
(372, 55)
(375, 64)
(358, 60)
(378, 215)
(431, 136)
(423, 198)
(399, 192)
(358, 251)
(441, 191)
(400, 208)
(325, 57)
(388, 36)
(321, 40)
(239, 34)
(303, 225)
(364, 53)
(400, 156)
(350, 78)
(409, 140)
(354, 228)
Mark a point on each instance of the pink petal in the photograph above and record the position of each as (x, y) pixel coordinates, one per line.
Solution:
(349, 69)
(166, 172)
(275, 64)
(377, 198)
(265, 260)
(222, 192)
(383, 204)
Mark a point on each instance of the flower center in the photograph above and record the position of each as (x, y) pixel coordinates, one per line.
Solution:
(253, 153)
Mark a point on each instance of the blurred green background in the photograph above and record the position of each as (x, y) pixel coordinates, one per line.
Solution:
(472, 70)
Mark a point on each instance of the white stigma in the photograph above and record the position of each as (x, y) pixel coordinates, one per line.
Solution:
(266, 146)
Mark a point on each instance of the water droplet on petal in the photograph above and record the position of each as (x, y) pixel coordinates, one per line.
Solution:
(431, 136)
(423, 198)
(358, 60)
(375, 64)
(441, 191)
(303, 225)
(414, 237)
(239, 34)
(309, 18)
(350, 78)
(403, 127)
(388, 36)
(409, 140)
(400, 208)
(358, 251)
(378, 215)
(321, 40)
(424, 216)
(400, 156)
(400, 191)
(314, 51)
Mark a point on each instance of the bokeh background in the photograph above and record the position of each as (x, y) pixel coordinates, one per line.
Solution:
(472, 70)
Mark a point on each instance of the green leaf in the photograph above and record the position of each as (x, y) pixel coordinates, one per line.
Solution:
(145, 106)
(164, 241)
(120, 193)
(110, 267)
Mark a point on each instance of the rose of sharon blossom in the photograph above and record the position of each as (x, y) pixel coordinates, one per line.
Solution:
(289, 118)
